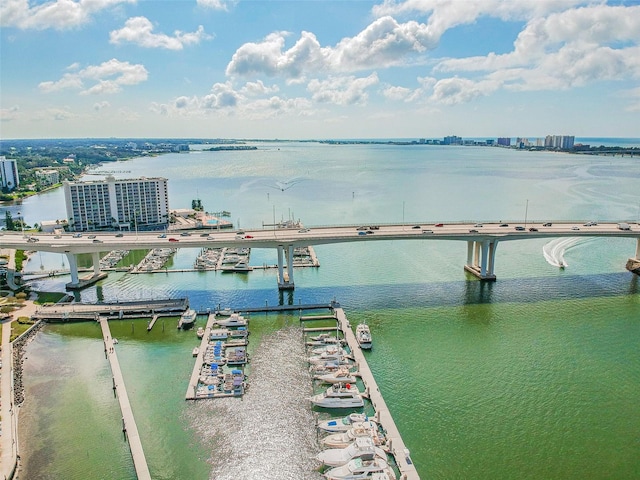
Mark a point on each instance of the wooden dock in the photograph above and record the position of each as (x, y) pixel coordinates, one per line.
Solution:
(383, 416)
(193, 381)
(128, 421)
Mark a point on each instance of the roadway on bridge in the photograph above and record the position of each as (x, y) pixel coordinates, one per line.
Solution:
(270, 238)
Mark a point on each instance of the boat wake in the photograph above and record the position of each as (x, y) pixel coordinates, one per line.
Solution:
(555, 250)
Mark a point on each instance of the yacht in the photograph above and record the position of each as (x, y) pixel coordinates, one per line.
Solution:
(363, 336)
(341, 375)
(361, 447)
(233, 320)
(342, 424)
(360, 429)
(339, 395)
(187, 319)
(242, 266)
(356, 469)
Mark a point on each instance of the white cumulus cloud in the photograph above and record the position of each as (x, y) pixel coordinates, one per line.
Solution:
(342, 90)
(139, 30)
(108, 77)
(56, 14)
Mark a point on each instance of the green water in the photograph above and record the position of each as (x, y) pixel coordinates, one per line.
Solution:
(533, 376)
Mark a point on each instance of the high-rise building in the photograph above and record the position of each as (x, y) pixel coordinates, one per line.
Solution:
(504, 141)
(141, 203)
(9, 178)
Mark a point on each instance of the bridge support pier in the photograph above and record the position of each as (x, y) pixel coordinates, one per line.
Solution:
(78, 283)
(481, 257)
(285, 279)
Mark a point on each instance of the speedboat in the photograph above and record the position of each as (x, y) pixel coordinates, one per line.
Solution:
(233, 320)
(339, 396)
(200, 332)
(362, 447)
(328, 349)
(360, 429)
(187, 319)
(325, 357)
(342, 424)
(195, 351)
(363, 336)
(341, 375)
(358, 469)
(241, 266)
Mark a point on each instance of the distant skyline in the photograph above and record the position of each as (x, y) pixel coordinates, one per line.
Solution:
(319, 69)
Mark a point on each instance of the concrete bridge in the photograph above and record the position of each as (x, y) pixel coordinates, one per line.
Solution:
(482, 241)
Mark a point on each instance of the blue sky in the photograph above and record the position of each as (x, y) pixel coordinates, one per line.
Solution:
(319, 69)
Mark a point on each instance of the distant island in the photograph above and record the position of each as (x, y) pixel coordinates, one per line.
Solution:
(230, 147)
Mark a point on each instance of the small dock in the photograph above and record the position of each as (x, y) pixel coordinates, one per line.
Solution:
(69, 312)
(383, 416)
(128, 421)
(193, 381)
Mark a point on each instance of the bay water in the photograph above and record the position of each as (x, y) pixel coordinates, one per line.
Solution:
(534, 376)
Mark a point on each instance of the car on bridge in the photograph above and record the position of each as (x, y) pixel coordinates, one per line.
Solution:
(473, 230)
(504, 224)
(417, 226)
(439, 225)
(548, 224)
(162, 235)
(533, 229)
(174, 240)
(520, 228)
(590, 224)
(427, 231)
(97, 240)
(77, 235)
(119, 235)
(304, 230)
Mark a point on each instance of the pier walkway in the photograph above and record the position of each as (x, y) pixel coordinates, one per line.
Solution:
(193, 381)
(383, 416)
(128, 421)
(8, 439)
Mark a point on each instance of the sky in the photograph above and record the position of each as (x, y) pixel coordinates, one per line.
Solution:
(318, 69)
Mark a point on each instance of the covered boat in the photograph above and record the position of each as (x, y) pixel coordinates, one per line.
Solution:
(363, 336)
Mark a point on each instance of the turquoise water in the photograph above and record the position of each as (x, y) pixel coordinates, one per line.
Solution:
(533, 376)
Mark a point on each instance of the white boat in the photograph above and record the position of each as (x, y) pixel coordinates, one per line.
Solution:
(359, 469)
(236, 356)
(195, 351)
(362, 447)
(325, 357)
(233, 320)
(323, 339)
(360, 429)
(328, 349)
(200, 332)
(242, 267)
(341, 375)
(342, 424)
(187, 319)
(363, 336)
(339, 396)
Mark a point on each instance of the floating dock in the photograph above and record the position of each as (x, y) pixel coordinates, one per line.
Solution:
(67, 312)
(394, 441)
(128, 421)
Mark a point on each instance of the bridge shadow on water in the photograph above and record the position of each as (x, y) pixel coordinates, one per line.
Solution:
(470, 292)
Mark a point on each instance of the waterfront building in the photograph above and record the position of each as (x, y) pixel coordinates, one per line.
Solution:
(504, 141)
(138, 203)
(9, 178)
(452, 140)
(48, 177)
(559, 141)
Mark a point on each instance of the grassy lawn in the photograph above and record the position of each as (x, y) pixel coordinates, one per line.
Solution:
(49, 297)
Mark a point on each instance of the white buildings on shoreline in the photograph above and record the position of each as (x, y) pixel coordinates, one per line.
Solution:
(124, 204)
(9, 178)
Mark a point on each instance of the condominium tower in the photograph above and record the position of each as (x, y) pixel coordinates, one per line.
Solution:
(140, 203)
(8, 173)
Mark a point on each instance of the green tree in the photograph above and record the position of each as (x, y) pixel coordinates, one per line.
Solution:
(8, 220)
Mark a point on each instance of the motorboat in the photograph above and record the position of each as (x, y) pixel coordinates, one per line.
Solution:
(358, 469)
(325, 357)
(359, 429)
(332, 348)
(233, 320)
(342, 424)
(339, 395)
(324, 339)
(241, 266)
(219, 334)
(361, 447)
(225, 312)
(187, 319)
(200, 332)
(342, 375)
(363, 336)
(195, 351)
